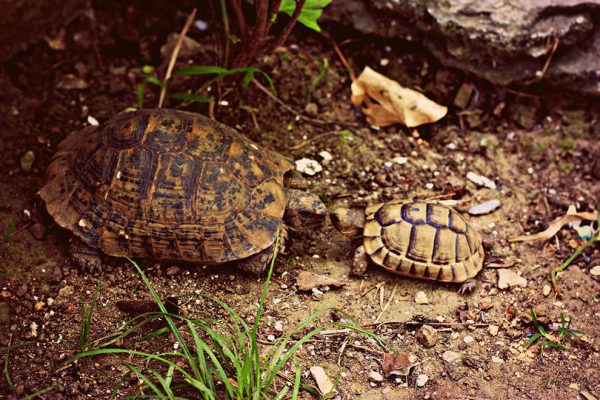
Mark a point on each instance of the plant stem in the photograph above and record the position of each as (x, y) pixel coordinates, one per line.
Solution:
(186, 27)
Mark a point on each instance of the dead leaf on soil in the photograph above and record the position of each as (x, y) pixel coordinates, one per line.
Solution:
(326, 387)
(396, 364)
(556, 225)
(308, 280)
(387, 102)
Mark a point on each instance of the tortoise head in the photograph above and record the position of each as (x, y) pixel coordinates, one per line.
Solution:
(303, 210)
(349, 221)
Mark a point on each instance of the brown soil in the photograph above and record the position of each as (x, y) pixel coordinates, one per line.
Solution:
(542, 151)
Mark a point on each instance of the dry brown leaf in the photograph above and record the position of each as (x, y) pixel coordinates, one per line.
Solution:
(387, 102)
(556, 225)
(308, 280)
(396, 364)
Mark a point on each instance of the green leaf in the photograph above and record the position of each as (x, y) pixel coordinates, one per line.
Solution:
(202, 70)
(190, 97)
(147, 69)
(533, 338)
(10, 229)
(310, 13)
(155, 81)
(555, 345)
(140, 92)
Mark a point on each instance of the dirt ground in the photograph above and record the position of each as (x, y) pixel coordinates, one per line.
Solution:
(540, 149)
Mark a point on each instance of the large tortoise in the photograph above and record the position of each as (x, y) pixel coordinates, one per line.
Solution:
(173, 186)
(420, 239)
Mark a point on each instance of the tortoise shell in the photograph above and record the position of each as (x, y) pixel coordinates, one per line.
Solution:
(167, 184)
(422, 239)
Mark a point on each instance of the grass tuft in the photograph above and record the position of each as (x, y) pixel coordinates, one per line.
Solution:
(214, 359)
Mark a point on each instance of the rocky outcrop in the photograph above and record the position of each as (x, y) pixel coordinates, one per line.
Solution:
(508, 42)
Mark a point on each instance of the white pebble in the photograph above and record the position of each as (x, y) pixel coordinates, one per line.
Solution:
(308, 166)
(421, 298)
(422, 380)
(326, 156)
(400, 160)
(92, 121)
(484, 208)
(481, 180)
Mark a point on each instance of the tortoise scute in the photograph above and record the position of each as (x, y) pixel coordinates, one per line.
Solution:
(167, 184)
(422, 239)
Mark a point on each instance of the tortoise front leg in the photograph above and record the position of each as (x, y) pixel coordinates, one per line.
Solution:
(360, 262)
(258, 263)
(85, 257)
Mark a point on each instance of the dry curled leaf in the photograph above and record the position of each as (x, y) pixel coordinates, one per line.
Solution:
(386, 102)
(396, 364)
(556, 225)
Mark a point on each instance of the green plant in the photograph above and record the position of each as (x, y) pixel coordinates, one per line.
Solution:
(10, 229)
(86, 318)
(216, 359)
(564, 332)
(323, 69)
(595, 237)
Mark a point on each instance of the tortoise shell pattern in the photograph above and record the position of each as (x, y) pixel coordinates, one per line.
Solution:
(422, 239)
(169, 185)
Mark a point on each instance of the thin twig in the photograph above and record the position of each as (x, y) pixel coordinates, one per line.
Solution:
(541, 74)
(186, 27)
(342, 351)
(387, 305)
(340, 55)
(236, 6)
(290, 25)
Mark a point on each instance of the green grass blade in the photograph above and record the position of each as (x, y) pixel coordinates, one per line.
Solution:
(39, 393)
(140, 93)
(10, 229)
(146, 380)
(190, 97)
(201, 70)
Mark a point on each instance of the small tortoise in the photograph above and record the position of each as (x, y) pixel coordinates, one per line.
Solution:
(421, 239)
(174, 186)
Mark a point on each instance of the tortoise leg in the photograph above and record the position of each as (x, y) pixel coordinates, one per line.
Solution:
(85, 257)
(259, 263)
(467, 286)
(360, 261)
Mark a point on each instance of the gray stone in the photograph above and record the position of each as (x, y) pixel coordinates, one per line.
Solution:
(505, 43)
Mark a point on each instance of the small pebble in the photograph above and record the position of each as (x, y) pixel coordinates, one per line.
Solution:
(497, 360)
(546, 290)
(481, 180)
(595, 271)
(38, 231)
(400, 160)
(493, 330)
(468, 339)
(421, 298)
(39, 305)
(173, 270)
(21, 290)
(375, 377)
(308, 166)
(311, 109)
(278, 326)
(271, 338)
(485, 304)
(422, 380)
(427, 336)
(92, 121)
(574, 385)
(20, 390)
(325, 155)
(452, 356)
(484, 208)
(27, 161)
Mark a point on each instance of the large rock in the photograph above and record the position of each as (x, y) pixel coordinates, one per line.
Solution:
(503, 42)
(24, 21)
